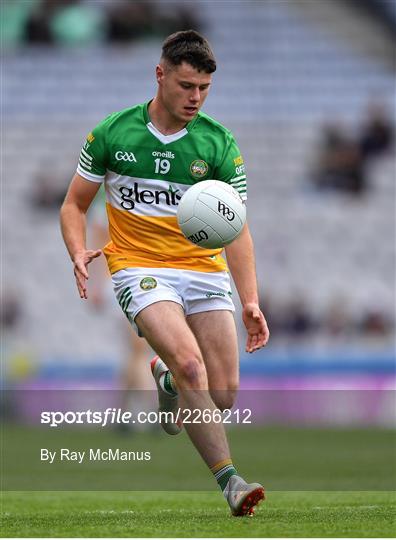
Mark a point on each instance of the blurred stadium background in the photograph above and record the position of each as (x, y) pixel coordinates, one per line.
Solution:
(308, 88)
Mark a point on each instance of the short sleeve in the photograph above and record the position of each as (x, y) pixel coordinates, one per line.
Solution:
(232, 169)
(92, 160)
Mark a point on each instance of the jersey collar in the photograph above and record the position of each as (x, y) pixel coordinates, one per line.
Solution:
(165, 139)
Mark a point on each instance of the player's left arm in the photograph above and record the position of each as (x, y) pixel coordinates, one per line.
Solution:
(241, 262)
(240, 253)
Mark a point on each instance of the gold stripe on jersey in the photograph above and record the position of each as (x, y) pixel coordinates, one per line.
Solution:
(153, 241)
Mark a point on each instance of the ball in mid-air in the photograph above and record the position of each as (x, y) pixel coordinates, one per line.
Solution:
(211, 214)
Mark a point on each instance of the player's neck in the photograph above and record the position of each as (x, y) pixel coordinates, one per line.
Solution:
(162, 120)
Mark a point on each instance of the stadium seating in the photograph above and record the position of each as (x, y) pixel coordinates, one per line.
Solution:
(279, 80)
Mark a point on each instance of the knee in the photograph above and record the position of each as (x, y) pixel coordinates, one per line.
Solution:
(190, 371)
(225, 399)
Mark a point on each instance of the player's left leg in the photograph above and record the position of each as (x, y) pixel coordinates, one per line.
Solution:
(216, 335)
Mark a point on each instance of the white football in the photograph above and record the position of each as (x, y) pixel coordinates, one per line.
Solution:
(211, 214)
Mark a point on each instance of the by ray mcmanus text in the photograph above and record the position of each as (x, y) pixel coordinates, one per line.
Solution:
(92, 454)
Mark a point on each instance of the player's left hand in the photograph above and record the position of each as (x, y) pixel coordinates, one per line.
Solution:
(256, 326)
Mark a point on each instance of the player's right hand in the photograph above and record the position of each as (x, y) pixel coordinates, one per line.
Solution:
(81, 261)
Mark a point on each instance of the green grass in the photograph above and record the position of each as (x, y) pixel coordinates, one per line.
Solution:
(321, 482)
(284, 459)
(203, 514)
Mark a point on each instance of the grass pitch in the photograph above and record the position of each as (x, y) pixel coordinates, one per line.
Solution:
(321, 483)
(203, 514)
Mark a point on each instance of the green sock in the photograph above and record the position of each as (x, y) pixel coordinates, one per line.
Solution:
(223, 471)
(168, 384)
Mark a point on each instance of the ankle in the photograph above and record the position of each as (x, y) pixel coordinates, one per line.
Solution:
(223, 471)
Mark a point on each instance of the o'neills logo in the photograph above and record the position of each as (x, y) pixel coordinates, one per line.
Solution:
(168, 154)
(130, 196)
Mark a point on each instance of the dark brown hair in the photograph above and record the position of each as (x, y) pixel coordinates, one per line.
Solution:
(189, 46)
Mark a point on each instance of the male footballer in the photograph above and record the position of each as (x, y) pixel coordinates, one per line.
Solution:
(148, 156)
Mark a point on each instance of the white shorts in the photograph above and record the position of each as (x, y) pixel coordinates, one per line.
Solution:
(137, 288)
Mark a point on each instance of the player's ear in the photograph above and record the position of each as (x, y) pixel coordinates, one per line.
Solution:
(159, 73)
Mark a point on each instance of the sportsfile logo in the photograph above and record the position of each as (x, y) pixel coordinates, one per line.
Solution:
(225, 211)
(131, 196)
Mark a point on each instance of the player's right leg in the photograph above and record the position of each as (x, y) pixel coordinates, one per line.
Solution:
(168, 401)
(164, 326)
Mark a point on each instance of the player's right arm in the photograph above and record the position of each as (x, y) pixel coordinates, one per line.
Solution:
(73, 225)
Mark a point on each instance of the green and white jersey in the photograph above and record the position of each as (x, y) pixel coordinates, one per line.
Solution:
(145, 174)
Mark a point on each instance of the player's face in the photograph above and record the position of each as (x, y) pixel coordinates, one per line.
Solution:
(183, 90)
